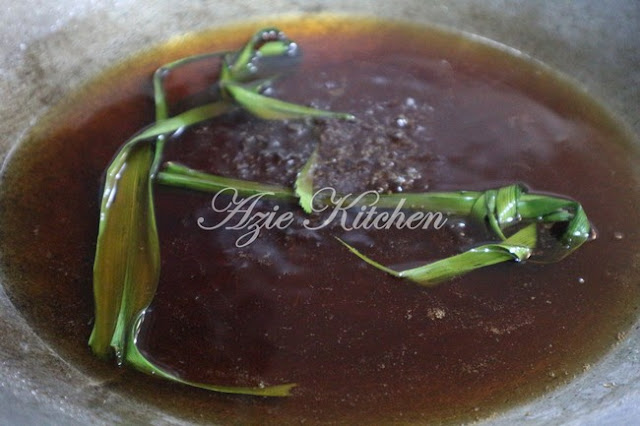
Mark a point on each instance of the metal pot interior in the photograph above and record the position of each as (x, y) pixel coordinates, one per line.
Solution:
(50, 49)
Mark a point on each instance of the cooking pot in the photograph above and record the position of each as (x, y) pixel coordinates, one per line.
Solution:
(48, 49)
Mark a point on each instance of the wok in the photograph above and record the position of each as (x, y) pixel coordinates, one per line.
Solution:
(48, 49)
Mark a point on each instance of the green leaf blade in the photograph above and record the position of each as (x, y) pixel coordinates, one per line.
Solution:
(178, 175)
(274, 109)
(136, 359)
(455, 203)
(369, 260)
(304, 183)
(517, 248)
(127, 262)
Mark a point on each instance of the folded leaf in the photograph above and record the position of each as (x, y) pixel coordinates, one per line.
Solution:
(504, 207)
(304, 183)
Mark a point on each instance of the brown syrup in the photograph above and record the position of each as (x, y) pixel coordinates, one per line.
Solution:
(294, 306)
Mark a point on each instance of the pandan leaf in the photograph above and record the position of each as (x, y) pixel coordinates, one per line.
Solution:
(127, 262)
(268, 43)
(304, 183)
(274, 109)
(136, 359)
(504, 207)
(178, 175)
(517, 248)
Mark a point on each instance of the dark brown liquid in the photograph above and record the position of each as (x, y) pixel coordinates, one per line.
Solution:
(294, 306)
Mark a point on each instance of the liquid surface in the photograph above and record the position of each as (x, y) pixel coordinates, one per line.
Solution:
(435, 112)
